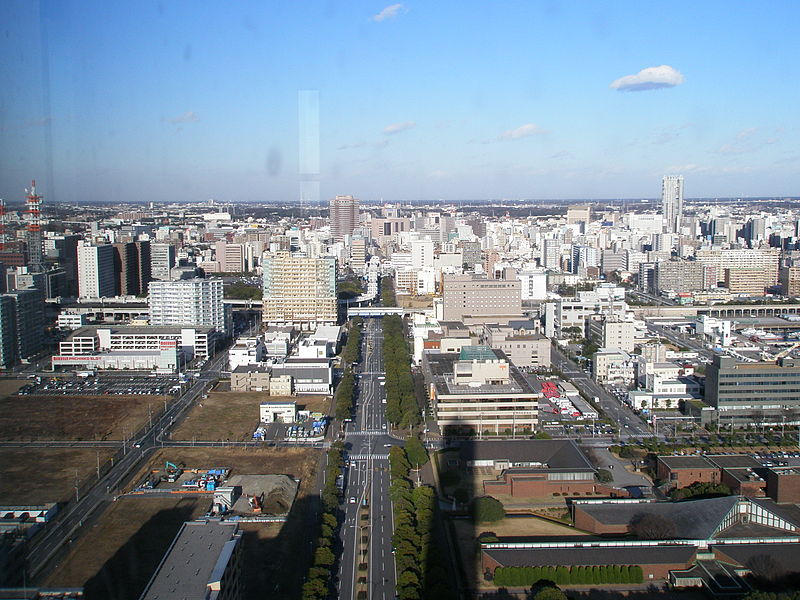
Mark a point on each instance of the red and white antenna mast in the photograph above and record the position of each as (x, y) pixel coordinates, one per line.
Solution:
(35, 249)
(2, 225)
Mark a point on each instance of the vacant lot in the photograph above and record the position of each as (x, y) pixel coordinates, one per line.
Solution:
(300, 463)
(406, 301)
(75, 417)
(233, 416)
(10, 386)
(39, 475)
(122, 550)
(118, 555)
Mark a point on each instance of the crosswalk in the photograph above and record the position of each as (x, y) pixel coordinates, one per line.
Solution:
(367, 432)
(367, 456)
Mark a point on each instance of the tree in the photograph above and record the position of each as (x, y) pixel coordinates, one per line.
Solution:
(324, 557)
(604, 476)
(542, 435)
(548, 593)
(487, 510)
(417, 454)
(649, 526)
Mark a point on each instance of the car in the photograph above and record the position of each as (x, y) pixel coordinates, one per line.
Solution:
(353, 500)
(387, 445)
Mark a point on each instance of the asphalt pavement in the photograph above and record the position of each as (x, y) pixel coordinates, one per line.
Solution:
(630, 425)
(368, 442)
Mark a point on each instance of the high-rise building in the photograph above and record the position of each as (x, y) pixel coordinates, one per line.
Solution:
(21, 325)
(231, 257)
(790, 281)
(96, 271)
(683, 276)
(64, 248)
(162, 259)
(299, 290)
(344, 216)
(579, 213)
(196, 302)
(672, 202)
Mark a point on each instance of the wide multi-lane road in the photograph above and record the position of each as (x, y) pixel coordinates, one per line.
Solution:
(367, 482)
(629, 423)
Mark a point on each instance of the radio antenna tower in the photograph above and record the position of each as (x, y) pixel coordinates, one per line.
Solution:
(2, 225)
(35, 247)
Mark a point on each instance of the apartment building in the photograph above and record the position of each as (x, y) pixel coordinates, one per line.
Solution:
(192, 302)
(765, 260)
(299, 291)
(21, 325)
(96, 271)
(751, 282)
(683, 276)
(612, 332)
(790, 281)
(479, 389)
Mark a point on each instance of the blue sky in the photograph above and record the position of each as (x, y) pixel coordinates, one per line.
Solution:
(454, 100)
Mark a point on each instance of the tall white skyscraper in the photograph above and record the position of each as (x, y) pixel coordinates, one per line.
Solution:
(191, 302)
(96, 271)
(672, 202)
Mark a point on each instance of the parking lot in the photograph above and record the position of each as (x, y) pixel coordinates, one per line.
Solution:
(99, 386)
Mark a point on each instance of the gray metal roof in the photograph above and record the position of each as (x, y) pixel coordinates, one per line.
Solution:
(555, 454)
(693, 519)
(787, 555)
(192, 561)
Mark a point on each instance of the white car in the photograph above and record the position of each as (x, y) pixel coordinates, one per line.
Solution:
(353, 500)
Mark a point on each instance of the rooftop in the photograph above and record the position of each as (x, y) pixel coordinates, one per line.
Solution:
(552, 454)
(193, 560)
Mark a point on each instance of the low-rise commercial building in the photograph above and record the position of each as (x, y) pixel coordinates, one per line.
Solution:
(524, 350)
(479, 389)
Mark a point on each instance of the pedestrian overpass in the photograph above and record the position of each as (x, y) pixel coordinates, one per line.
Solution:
(374, 311)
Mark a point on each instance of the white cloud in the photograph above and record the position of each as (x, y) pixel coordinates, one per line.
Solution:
(389, 12)
(351, 146)
(398, 127)
(188, 117)
(651, 78)
(522, 131)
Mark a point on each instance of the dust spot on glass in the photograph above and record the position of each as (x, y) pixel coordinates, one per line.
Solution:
(187, 52)
(274, 162)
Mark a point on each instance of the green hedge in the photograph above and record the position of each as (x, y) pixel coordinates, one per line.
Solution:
(402, 408)
(563, 575)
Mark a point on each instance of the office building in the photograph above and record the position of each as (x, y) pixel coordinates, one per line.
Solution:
(132, 268)
(190, 302)
(533, 284)
(299, 290)
(471, 253)
(64, 248)
(672, 202)
(421, 254)
(204, 562)
(761, 393)
(479, 389)
(612, 332)
(579, 214)
(96, 278)
(162, 259)
(21, 325)
(474, 299)
(527, 350)
(551, 254)
(343, 216)
(358, 253)
(231, 258)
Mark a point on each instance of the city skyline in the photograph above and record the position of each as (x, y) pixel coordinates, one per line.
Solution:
(416, 102)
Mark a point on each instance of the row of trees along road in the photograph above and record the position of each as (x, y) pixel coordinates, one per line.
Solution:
(320, 574)
(346, 390)
(420, 571)
(388, 297)
(402, 409)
